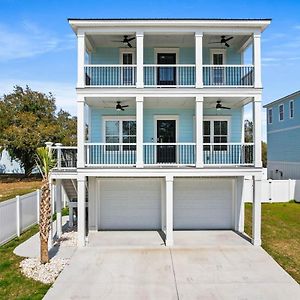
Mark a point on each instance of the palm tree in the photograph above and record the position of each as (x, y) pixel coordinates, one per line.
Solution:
(45, 162)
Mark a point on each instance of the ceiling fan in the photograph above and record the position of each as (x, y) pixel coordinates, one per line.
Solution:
(126, 41)
(224, 40)
(219, 106)
(120, 107)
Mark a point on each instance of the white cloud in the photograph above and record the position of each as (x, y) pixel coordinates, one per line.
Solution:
(29, 40)
(64, 93)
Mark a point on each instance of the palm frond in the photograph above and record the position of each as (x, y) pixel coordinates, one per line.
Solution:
(45, 161)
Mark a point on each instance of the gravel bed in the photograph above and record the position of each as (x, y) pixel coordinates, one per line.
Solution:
(45, 273)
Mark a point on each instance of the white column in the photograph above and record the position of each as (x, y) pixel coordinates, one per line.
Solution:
(139, 132)
(80, 60)
(58, 207)
(239, 204)
(257, 60)
(18, 216)
(81, 224)
(199, 59)
(256, 210)
(199, 132)
(80, 132)
(58, 148)
(38, 200)
(139, 59)
(163, 205)
(256, 110)
(169, 210)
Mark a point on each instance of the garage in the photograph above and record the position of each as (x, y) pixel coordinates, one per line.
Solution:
(203, 203)
(129, 203)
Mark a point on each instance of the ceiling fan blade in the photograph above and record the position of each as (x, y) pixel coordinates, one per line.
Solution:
(129, 45)
(228, 39)
(128, 40)
(125, 105)
(122, 108)
(224, 107)
(227, 45)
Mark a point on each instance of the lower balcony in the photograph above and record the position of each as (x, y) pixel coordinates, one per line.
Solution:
(157, 155)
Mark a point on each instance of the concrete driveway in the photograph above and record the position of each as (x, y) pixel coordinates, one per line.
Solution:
(225, 268)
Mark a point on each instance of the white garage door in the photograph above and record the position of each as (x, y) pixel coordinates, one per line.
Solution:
(130, 203)
(201, 203)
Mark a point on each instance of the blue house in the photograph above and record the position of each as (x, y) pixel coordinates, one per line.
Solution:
(283, 134)
(160, 133)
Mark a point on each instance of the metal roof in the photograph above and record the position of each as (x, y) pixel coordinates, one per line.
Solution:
(169, 19)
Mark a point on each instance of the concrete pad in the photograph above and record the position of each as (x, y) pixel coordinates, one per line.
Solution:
(31, 247)
(123, 239)
(230, 269)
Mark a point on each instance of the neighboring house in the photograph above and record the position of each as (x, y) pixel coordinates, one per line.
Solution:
(7, 165)
(160, 125)
(283, 136)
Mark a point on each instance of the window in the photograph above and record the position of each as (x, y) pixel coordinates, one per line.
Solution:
(281, 112)
(291, 106)
(270, 115)
(215, 131)
(120, 131)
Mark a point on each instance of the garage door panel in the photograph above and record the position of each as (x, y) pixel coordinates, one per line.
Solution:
(130, 204)
(202, 203)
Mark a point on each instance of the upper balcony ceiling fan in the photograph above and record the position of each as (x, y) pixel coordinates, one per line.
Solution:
(126, 41)
(219, 106)
(224, 40)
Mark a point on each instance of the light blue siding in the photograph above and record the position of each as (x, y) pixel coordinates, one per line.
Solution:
(284, 136)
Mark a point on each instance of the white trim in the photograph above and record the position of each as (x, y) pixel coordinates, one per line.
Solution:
(219, 118)
(291, 101)
(218, 51)
(282, 112)
(165, 117)
(127, 50)
(166, 50)
(284, 129)
(268, 115)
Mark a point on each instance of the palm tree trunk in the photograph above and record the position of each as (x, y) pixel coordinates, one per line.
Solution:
(45, 220)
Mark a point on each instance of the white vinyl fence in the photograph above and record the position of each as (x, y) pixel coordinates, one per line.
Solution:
(274, 190)
(18, 214)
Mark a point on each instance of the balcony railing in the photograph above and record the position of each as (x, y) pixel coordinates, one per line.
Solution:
(156, 154)
(228, 75)
(169, 75)
(228, 154)
(110, 75)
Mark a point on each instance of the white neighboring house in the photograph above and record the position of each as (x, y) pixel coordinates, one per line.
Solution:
(160, 125)
(7, 165)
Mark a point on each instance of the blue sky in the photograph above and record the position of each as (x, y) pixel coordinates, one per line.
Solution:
(37, 45)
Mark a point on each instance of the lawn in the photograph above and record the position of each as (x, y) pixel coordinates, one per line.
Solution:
(13, 285)
(12, 186)
(280, 233)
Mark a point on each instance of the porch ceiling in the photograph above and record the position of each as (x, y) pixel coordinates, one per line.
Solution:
(165, 40)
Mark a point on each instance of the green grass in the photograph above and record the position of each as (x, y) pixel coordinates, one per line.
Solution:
(280, 233)
(13, 285)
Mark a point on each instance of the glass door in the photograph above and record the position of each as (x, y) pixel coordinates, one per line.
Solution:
(166, 75)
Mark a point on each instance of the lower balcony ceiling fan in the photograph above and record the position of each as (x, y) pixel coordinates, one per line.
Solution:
(126, 41)
(219, 106)
(223, 40)
(121, 107)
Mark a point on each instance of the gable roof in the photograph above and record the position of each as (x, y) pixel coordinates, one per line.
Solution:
(282, 99)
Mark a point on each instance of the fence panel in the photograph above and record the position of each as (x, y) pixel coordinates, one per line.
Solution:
(8, 216)
(8, 219)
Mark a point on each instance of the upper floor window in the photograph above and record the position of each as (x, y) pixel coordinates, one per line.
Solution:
(291, 109)
(281, 112)
(215, 131)
(270, 115)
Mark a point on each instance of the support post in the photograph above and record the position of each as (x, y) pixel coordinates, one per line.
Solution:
(256, 109)
(81, 223)
(58, 208)
(257, 60)
(139, 132)
(199, 59)
(80, 59)
(163, 205)
(139, 59)
(80, 132)
(58, 148)
(169, 210)
(199, 132)
(38, 199)
(239, 204)
(256, 211)
(18, 216)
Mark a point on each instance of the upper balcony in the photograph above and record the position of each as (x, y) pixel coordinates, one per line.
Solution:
(169, 60)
